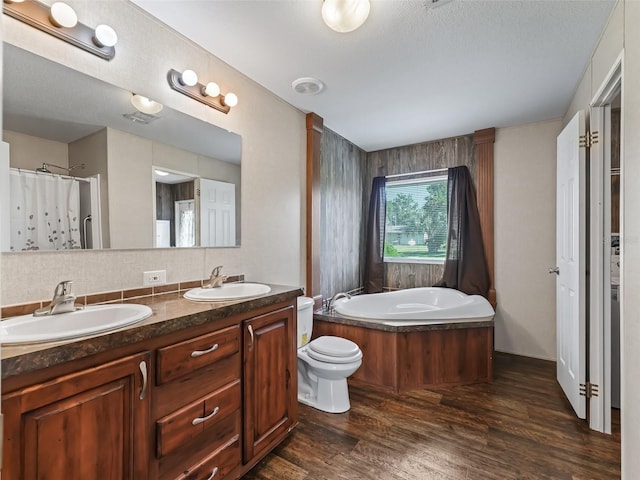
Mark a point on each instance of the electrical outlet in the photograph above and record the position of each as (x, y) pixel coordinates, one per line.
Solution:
(155, 277)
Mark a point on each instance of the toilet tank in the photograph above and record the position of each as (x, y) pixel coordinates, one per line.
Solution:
(305, 320)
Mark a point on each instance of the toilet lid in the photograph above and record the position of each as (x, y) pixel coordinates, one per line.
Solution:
(334, 349)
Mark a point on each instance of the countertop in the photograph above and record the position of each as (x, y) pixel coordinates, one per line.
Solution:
(171, 313)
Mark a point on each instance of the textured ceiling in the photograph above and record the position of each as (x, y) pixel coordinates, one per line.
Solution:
(411, 73)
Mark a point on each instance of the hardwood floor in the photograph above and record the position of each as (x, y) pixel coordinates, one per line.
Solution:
(518, 427)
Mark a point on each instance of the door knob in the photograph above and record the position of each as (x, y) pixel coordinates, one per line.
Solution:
(555, 270)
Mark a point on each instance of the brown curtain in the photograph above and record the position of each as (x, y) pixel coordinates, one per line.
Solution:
(465, 267)
(374, 250)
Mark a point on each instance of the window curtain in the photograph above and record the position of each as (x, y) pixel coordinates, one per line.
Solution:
(465, 266)
(374, 250)
(45, 211)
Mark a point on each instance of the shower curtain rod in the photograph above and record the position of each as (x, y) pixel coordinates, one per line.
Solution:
(51, 174)
(438, 170)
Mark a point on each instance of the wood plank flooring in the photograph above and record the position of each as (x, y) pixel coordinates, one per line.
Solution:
(518, 427)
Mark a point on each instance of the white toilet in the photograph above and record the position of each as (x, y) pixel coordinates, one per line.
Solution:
(323, 365)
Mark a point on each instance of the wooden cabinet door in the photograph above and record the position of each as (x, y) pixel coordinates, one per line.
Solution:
(89, 424)
(270, 380)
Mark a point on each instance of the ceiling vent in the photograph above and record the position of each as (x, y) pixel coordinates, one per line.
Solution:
(307, 86)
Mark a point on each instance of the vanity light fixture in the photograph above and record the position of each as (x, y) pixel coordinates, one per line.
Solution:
(61, 21)
(345, 15)
(209, 94)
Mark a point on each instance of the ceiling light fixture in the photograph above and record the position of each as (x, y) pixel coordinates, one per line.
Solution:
(209, 94)
(146, 105)
(61, 21)
(307, 86)
(345, 15)
(161, 173)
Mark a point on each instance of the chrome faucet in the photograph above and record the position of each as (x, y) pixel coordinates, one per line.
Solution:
(332, 300)
(216, 279)
(63, 301)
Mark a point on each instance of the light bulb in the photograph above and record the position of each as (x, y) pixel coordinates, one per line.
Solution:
(211, 90)
(231, 99)
(345, 15)
(189, 78)
(62, 15)
(105, 36)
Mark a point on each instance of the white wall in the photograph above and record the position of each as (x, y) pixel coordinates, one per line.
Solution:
(31, 152)
(525, 236)
(622, 32)
(630, 253)
(273, 161)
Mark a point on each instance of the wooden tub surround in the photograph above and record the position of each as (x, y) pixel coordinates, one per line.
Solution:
(402, 358)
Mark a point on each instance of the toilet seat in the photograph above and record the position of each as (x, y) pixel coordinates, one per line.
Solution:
(334, 350)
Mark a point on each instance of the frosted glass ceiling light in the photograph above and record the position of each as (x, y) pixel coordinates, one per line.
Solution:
(209, 94)
(189, 78)
(345, 15)
(62, 15)
(105, 36)
(146, 105)
(61, 21)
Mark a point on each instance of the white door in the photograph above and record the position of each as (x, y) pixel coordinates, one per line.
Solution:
(570, 263)
(217, 213)
(599, 270)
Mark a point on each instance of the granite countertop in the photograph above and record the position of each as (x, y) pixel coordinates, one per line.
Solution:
(171, 313)
(401, 326)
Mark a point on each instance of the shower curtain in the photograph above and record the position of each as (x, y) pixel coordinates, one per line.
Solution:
(45, 211)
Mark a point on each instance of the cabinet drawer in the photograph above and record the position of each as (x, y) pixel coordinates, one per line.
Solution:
(183, 358)
(217, 465)
(179, 427)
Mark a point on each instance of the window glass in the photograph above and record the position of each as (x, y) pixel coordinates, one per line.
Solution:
(416, 223)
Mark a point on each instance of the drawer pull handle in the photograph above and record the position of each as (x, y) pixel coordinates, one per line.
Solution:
(250, 328)
(143, 372)
(199, 353)
(213, 473)
(199, 420)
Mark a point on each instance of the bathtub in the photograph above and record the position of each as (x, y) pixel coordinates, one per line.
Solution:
(417, 306)
(416, 338)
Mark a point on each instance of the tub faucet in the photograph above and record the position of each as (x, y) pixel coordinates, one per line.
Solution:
(216, 279)
(332, 300)
(63, 301)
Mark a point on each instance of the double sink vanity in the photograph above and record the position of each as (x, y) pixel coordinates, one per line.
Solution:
(195, 385)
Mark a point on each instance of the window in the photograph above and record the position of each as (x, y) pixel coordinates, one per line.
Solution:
(416, 223)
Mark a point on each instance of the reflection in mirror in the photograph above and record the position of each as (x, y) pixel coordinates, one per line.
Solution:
(76, 138)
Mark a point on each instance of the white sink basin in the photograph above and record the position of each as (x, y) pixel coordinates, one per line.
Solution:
(228, 291)
(88, 321)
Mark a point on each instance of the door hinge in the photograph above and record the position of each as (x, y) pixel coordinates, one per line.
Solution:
(589, 390)
(197, 192)
(588, 139)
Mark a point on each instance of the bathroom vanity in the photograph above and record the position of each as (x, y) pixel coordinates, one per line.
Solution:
(196, 391)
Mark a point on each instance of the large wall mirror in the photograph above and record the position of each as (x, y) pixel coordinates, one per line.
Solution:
(88, 170)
